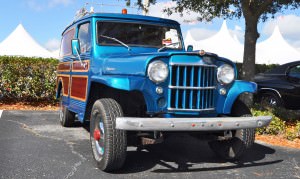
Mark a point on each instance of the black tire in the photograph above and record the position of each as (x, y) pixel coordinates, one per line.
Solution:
(270, 99)
(66, 117)
(110, 150)
(241, 140)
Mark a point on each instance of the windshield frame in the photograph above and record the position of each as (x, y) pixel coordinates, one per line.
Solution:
(169, 25)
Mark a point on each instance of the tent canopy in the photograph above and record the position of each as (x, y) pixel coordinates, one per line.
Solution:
(20, 43)
(274, 50)
(221, 43)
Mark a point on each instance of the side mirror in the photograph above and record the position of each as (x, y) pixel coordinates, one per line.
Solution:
(190, 48)
(75, 47)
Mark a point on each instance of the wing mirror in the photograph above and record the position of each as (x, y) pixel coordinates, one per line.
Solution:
(75, 47)
(190, 48)
(76, 50)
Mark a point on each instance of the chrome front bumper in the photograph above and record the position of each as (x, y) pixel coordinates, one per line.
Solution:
(191, 124)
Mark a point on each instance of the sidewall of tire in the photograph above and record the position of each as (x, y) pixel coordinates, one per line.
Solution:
(115, 140)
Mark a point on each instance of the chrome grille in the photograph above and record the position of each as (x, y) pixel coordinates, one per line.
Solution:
(192, 87)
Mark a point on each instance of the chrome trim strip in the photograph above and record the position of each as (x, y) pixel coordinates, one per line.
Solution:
(191, 110)
(191, 64)
(271, 90)
(191, 87)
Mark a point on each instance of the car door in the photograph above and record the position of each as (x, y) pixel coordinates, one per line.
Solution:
(293, 78)
(80, 70)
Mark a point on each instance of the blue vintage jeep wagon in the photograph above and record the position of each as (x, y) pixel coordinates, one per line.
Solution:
(132, 79)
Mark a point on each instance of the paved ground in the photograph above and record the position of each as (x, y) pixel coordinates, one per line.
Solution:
(34, 145)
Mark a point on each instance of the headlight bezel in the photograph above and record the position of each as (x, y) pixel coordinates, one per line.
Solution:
(153, 68)
(225, 74)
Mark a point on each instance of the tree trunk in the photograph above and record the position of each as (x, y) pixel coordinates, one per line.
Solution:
(248, 67)
(251, 36)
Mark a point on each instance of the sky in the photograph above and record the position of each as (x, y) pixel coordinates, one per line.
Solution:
(46, 19)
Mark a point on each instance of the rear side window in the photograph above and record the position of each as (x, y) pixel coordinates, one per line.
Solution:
(84, 37)
(66, 47)
(295, 72)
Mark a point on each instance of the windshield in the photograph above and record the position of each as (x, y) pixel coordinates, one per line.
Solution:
(133, 34)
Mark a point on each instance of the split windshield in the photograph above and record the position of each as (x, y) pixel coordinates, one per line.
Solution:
(133, 34)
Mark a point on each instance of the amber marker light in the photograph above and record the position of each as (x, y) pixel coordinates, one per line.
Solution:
(202, 52)
(124, 11)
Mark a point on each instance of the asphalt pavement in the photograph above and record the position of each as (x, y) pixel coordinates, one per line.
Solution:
(34, 145)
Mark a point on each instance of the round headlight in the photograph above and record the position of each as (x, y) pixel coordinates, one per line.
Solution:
(158, 71)
(225, 74)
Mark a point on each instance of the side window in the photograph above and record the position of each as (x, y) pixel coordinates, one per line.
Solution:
(84, 37)
(66, 47)
(295, 71)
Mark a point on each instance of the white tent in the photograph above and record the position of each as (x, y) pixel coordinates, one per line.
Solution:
(55, 53)
(275, 50)
(221, 43)
(20, 43)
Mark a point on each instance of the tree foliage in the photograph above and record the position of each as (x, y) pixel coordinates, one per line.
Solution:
(252, 10)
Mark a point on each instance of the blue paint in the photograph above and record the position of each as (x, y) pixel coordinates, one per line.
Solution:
(117, 67)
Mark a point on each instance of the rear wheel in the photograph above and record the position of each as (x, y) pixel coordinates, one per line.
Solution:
(66, 117)
(108, 144)
(270, 99)
(234, 147)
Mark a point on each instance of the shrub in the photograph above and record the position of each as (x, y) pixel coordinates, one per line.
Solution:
(27, 79)
(298, 129)
(277, 126)
(259, 68)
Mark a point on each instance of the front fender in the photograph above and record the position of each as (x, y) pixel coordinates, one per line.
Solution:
(121, 82)
(132, 83)
(237, 89)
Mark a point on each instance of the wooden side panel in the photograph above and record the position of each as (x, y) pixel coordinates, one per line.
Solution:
(65, 80)
(78, 67)
(64, 67)
(79, 87)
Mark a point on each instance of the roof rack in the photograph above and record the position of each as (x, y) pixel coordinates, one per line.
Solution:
(83, 11)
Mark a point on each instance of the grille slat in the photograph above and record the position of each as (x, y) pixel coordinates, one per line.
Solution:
(192, 87)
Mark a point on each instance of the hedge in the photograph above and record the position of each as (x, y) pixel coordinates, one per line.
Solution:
(33, 79)
(27, 79)
(259, 68)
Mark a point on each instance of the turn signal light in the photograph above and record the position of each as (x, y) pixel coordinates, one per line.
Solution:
(124, 11)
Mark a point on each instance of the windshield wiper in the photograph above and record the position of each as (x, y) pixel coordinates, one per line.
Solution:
(116, 40)
(166, 46)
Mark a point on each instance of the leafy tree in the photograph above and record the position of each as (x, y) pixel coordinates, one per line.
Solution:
(252, 10)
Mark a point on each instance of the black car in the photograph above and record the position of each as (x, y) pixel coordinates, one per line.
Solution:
(280, 86)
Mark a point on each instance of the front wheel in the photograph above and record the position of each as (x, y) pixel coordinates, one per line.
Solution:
(108, 144)
(242, 139)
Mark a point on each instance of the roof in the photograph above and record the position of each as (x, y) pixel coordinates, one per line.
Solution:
(125, 17)
(20, 43)
(282, 68)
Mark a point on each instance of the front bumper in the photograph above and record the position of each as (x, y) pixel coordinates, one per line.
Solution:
(191, 124)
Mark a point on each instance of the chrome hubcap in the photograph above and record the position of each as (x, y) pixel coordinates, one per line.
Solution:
(99, 138)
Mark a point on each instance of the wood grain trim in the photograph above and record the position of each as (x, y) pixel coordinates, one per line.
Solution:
(77, 67)
(65, 80)
(79, 87)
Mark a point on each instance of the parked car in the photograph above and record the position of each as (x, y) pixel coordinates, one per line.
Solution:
(280, 86)
(132, 79)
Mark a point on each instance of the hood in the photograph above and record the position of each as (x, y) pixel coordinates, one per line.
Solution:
(136, 63)
(129, 63)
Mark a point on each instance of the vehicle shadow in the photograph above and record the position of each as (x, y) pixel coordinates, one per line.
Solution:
(184, 153)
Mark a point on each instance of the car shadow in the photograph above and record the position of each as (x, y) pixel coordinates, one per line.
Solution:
(184, 153)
